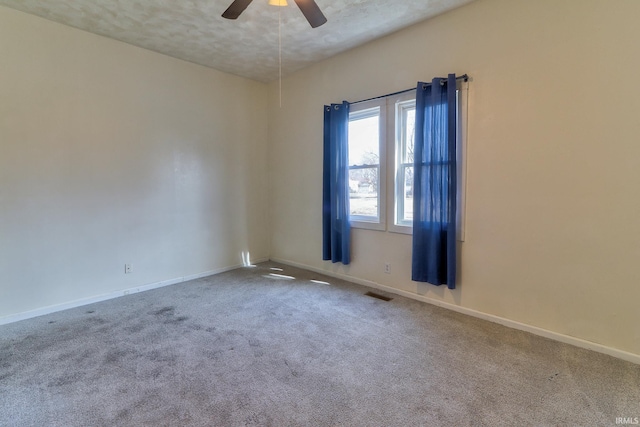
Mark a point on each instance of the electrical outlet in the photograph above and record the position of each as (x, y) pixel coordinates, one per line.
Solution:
(128, 269)
(387, 268)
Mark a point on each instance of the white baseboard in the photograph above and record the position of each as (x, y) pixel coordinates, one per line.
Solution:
(98, 298)
(620, 354)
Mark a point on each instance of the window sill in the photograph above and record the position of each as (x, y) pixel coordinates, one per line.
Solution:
(365, 225)
(401, 229)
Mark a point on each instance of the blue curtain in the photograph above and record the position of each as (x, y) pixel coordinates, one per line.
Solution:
(336, 231)
(435, 183)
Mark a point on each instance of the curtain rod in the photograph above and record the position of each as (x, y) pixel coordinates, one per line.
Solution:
(464, 77)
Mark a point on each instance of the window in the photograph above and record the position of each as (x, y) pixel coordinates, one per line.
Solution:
(367, 168)
(374, 137)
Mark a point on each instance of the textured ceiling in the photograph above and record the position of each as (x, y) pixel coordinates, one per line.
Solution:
(194, 30)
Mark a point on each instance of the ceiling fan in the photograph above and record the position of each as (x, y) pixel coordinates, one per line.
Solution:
(309, 9)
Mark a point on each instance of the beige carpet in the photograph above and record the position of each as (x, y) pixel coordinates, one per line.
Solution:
(248, 348)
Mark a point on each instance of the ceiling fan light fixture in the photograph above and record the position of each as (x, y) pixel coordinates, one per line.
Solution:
(309, 9)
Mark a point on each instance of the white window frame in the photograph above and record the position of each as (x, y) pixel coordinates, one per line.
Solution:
(359, 111)
(402, 104)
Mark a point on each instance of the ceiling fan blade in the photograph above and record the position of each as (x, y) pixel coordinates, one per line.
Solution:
(312, 12)
(236, 8)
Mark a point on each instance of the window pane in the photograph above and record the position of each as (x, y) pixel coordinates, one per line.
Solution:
(408, 194)
(409, 126)
(363, 192)
(364, 141)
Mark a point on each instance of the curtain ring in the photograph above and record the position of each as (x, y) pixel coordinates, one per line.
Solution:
(337, 107)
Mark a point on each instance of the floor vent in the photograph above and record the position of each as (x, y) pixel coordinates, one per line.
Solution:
(374, 295)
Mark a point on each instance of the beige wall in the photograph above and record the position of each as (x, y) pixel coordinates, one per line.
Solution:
(110, 154)
(552, 218)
